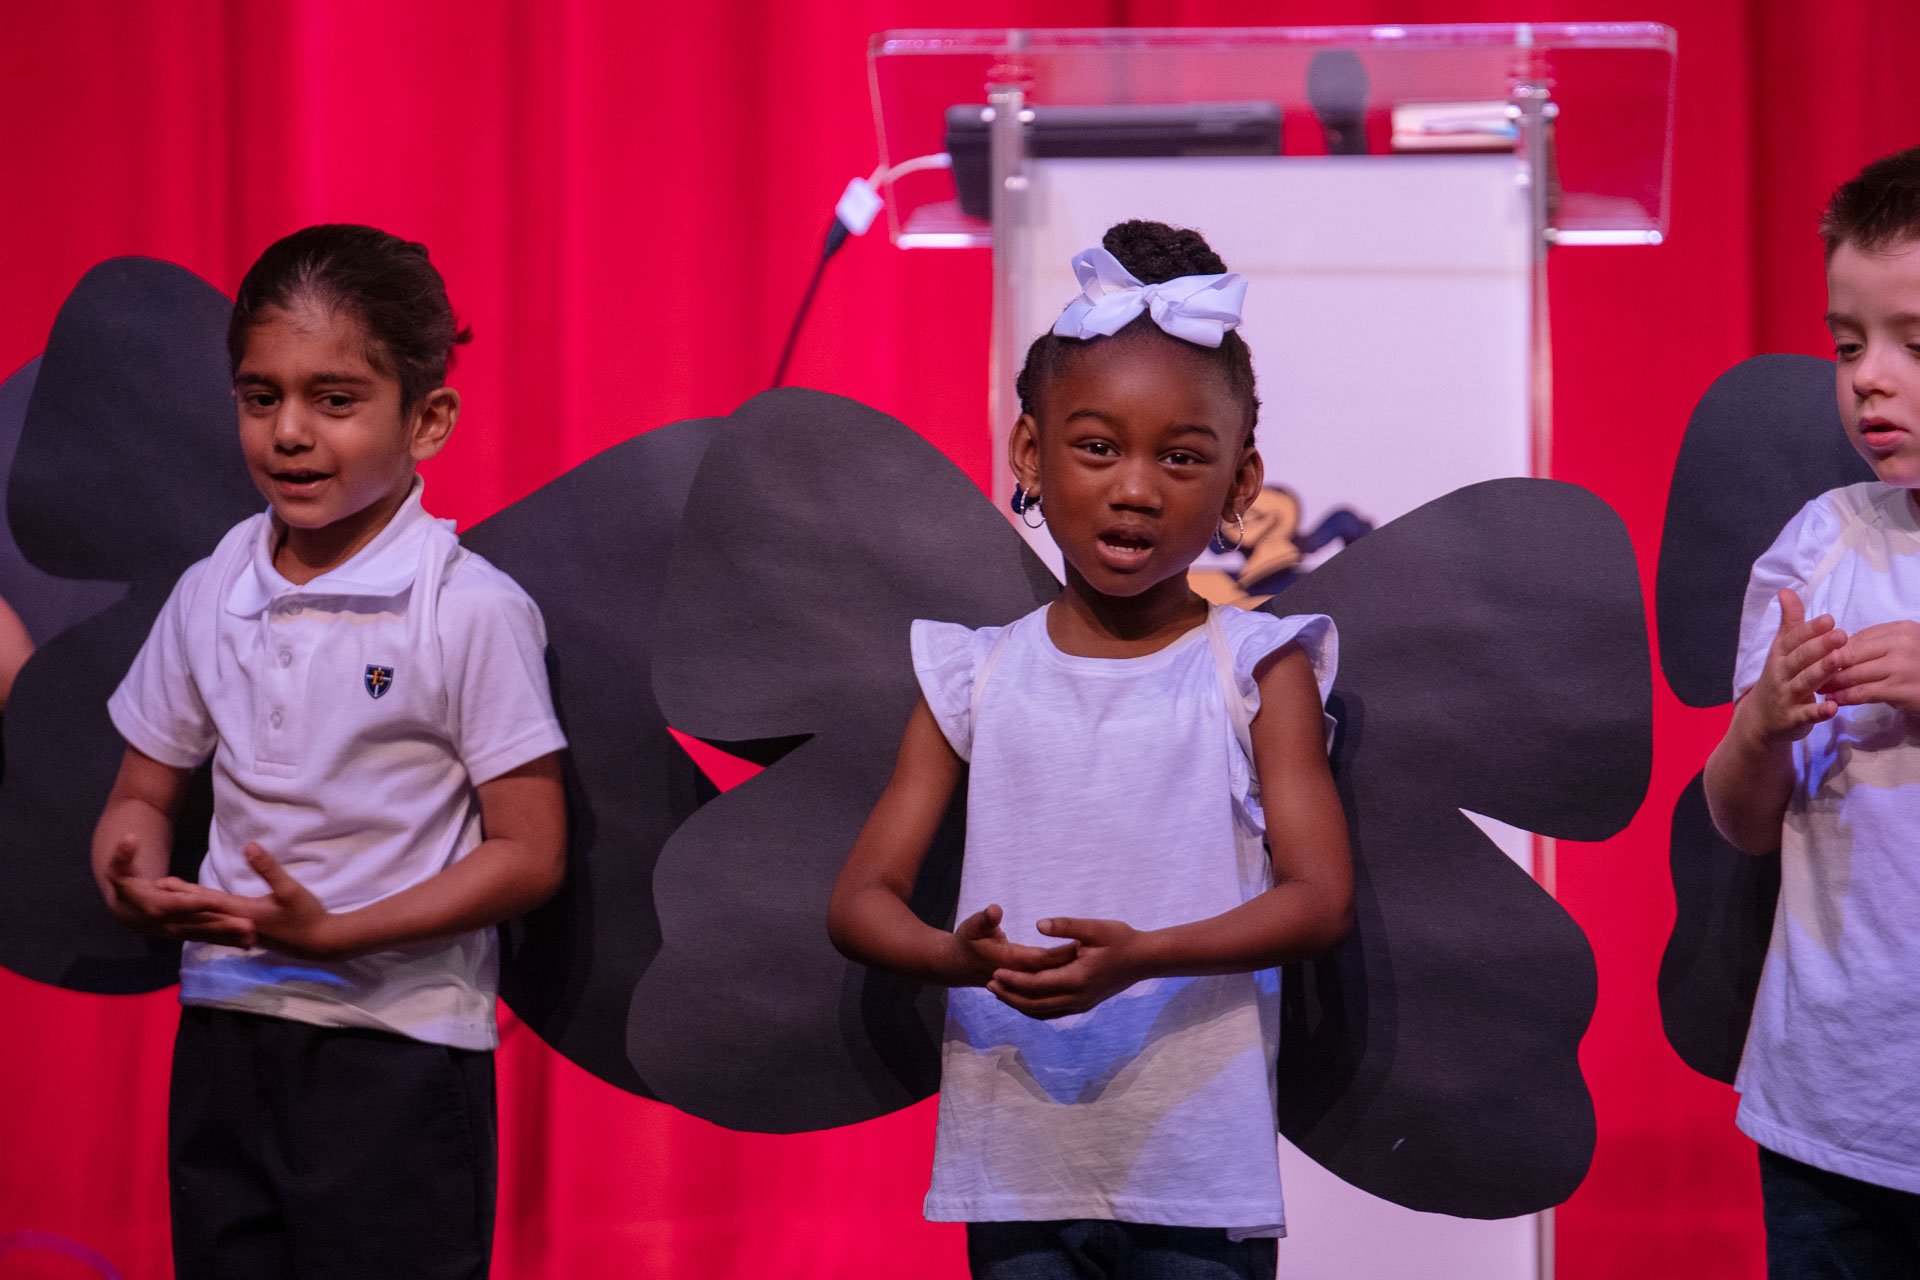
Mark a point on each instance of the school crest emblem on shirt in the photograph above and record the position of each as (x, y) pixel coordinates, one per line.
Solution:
(379, 679)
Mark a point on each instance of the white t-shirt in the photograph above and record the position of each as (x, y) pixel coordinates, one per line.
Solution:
(1117, 789)
(1833, 1053)
(349, 721)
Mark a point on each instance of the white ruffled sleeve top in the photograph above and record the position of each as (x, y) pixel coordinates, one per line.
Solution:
(1118, 789)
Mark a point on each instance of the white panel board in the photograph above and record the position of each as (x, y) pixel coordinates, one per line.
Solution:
(1389, 314)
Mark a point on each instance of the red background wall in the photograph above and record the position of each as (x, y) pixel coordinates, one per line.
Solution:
(626, 200)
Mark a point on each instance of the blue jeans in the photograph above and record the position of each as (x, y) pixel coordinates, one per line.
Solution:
(1827, 1226)
(1095, 1249)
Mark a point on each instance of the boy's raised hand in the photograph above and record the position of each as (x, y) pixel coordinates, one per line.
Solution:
(167, 906)
(1790, 697)
(1108, 961)
(1881, 663)
(982, 952)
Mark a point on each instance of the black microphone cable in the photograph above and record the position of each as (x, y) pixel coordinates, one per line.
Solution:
(859, 205)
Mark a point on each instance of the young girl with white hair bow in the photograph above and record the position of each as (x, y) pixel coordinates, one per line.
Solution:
(1152, 824)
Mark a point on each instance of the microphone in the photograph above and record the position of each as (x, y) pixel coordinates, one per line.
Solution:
(1337, 91)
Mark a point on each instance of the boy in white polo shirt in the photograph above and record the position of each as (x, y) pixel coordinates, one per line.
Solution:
(386, 789)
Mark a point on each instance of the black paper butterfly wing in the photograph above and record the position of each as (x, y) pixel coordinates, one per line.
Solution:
(591, 549)
(1493, 658)
(817, 530)
(1764, 440)
(125, 473)
(46, 604)
(813, 531)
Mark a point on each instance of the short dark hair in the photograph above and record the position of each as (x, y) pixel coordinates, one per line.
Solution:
(383, 282)
(1152, 252)
(1878, 207)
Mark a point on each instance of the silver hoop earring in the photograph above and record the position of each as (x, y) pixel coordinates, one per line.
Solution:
(1032, 507)
(1220, 543)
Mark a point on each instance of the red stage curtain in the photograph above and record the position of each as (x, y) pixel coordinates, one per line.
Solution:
(626, 200)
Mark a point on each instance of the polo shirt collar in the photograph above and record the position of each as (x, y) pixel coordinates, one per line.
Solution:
(383, 568)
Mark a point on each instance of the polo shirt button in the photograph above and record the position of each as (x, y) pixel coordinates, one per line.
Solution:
(286, 657)
(293, 611)
(277, 718)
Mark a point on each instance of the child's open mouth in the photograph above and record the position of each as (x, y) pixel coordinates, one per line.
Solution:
(297, 482)
(1880, 434)
(1124, 551)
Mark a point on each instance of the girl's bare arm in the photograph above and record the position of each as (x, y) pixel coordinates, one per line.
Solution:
(868, 917)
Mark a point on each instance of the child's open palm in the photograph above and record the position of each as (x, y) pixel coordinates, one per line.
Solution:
(167, 906)
(1793, 693)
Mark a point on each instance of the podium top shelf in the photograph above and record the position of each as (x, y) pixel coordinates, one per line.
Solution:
(1422, 38)
(1611, 83)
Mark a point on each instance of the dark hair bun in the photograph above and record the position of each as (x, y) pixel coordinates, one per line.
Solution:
(1154, 251)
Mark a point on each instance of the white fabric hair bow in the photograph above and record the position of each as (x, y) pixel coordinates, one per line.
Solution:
(1199, 309)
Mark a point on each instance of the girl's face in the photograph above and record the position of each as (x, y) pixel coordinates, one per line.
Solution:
(322, 429)
(1139, 452)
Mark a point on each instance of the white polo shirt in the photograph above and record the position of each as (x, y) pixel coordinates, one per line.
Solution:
(349, 721)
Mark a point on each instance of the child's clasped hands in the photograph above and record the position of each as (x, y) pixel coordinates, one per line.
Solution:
(1815, 668)
(1099, 959)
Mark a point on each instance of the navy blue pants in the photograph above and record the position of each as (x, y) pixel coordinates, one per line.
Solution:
(322, 1152)
(1095, 1249)
(1826, 1226)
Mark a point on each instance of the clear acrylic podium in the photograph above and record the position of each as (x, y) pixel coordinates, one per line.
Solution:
(1396, 232)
